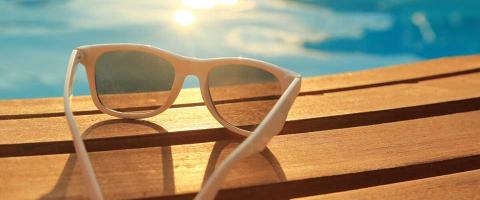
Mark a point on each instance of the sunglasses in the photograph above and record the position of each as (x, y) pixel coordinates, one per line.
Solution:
(249, 97)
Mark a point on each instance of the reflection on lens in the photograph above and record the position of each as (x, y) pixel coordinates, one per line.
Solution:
(133, 81)
(243, 95)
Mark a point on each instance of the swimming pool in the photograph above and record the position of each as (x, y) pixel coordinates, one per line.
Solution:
(309, 37)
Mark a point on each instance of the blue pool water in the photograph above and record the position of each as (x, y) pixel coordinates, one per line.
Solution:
(310, 37)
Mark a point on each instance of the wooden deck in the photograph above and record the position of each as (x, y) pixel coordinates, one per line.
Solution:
(401, 132)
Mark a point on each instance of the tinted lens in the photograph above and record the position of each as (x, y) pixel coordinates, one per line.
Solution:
(243, 95)
(133, 81)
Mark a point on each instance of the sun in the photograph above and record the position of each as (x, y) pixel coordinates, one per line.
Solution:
(184, 17)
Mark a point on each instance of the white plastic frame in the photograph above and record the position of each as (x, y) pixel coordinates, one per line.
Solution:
(255, 141)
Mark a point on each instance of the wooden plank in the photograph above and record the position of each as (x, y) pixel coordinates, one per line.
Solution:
(464, 185)
(197, 118)
(361, 130)
(427, 70)
(342, 159)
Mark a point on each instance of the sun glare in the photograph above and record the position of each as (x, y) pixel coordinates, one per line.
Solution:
(199, 4)
(228, 2)
(184, 17)
(206, 4)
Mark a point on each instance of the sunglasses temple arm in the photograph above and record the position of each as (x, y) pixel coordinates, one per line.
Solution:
(256, 142)
(81, 152)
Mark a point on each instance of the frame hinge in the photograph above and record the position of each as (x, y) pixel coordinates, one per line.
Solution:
(80, 56)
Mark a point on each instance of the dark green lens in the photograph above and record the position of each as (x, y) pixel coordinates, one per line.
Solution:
(133, 81)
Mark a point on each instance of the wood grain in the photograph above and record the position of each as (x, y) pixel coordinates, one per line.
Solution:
(307, 160)
(306, 107)
(464, 185)
(405, 132)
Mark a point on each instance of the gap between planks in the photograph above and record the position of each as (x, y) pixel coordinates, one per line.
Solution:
(464, 185)
(343, 109)
(320, 162)
(153, 138)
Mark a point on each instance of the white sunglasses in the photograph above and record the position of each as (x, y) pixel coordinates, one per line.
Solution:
(138, 81)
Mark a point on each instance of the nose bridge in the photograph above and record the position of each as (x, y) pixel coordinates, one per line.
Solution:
(191, 66)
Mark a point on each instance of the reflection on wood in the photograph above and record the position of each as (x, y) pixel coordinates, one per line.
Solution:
(362, 135)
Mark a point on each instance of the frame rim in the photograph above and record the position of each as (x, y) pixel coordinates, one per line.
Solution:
(183, 66)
